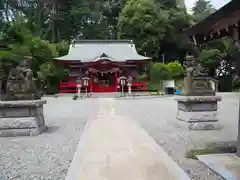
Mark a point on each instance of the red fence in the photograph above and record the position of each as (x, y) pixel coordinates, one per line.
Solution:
(71, 87)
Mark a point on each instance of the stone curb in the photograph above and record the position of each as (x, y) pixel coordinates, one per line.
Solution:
(75, 164)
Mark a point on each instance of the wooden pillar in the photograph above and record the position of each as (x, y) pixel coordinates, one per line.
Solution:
(60, 86)
(91, 81)
(237, 58)
(115, 80)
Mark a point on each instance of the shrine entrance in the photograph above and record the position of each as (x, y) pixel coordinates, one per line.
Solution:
(104, 80)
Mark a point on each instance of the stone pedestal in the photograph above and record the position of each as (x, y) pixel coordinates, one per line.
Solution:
(198, 86)
(199, 111)
(22, 118)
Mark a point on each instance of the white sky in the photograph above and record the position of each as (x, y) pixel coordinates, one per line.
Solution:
(216, 3)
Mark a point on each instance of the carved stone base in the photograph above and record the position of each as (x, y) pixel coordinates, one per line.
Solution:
(22, 118)
(199, 111)
(192, 117)
(12, 132)
(200, 120)
(205, 126)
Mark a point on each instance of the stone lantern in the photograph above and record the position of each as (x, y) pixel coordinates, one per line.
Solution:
(129, 84)
(85, 82)
(79, 86)
(122, 82)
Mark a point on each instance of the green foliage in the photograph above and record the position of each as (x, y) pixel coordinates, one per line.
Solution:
(142, 77)
(160, 71)
(154, 26)
(62, 48)
(176, 69)
(42, 51)
(212, 53)
(49, 73)
(144, 22)
(202, 9)
(209, 57)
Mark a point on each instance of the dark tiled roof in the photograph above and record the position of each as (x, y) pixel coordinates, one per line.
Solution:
(92, 50)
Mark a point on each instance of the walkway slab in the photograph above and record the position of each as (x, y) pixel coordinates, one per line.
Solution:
(226, 165)
(114, 147)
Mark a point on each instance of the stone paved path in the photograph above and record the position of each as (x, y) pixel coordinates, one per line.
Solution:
(113, 147)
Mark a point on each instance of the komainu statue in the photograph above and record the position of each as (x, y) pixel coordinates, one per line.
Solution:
(196, 82)
(21, 83)
(194, 68)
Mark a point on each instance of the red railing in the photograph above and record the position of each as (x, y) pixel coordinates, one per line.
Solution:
(139, 86)
(71, 87)
(68, 87)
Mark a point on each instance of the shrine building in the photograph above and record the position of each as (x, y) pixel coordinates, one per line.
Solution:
(103, 61)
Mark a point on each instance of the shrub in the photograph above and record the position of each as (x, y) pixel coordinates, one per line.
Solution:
(160, 71)
(176, 69)
(142, 77)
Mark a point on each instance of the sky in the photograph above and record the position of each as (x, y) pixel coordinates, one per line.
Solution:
(216, 3)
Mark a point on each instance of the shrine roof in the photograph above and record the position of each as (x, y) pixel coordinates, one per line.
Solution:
(222, 19)
(93, 50)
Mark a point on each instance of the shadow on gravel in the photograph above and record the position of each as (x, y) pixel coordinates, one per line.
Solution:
(52, 129)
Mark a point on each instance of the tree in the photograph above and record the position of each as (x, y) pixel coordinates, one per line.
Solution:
(23, 43)
(176, 69)
(174, 45)
(144, 22)
(202, 9)
(159, 71)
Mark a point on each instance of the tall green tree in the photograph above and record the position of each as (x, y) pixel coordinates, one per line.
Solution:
(144, 22)
(202, 9)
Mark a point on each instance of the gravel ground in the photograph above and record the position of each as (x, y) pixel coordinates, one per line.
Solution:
(158, 117)
(47, 156)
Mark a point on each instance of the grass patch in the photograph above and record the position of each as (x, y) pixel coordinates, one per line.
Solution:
(213, 148)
